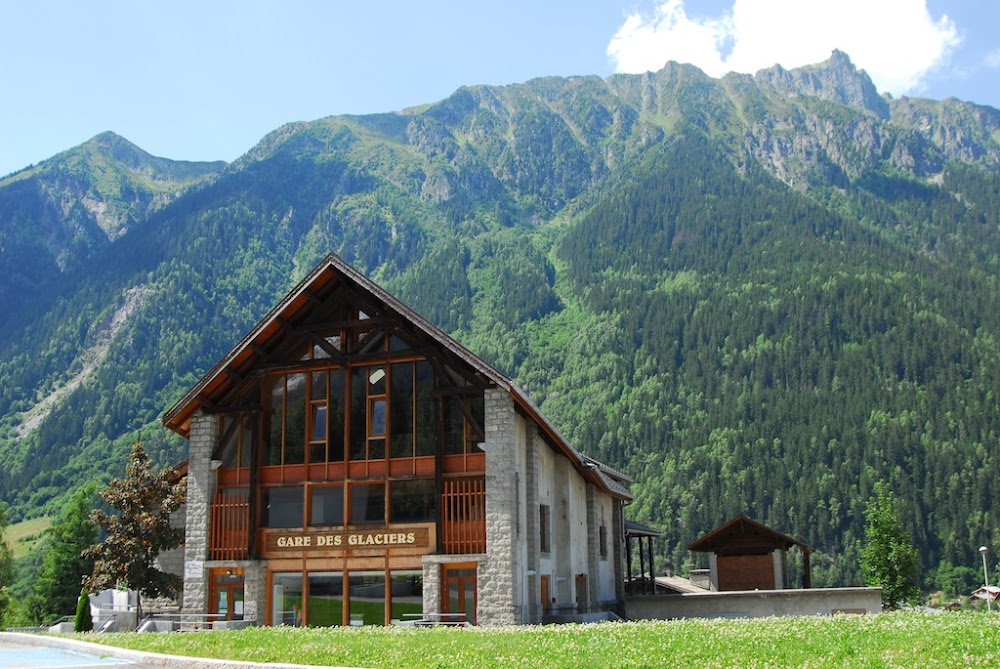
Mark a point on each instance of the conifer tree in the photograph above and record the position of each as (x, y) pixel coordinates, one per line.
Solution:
(84, 621)
(139, 531)
(64, 566)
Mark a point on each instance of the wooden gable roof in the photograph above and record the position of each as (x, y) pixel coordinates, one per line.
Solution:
(305, 303)
(744, 536)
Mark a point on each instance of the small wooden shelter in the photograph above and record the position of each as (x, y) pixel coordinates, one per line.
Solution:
(748, 555)
(644, 582)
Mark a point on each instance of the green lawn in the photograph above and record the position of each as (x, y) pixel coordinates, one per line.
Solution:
(904, 640)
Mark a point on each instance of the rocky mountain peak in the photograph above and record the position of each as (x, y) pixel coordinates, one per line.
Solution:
(835, 79)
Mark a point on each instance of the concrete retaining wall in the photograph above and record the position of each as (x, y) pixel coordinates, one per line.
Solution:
(755, 604)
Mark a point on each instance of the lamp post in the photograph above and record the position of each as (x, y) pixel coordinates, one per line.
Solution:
(986, 575)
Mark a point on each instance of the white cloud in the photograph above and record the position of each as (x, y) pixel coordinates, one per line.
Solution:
(993, 59)
(896, 41)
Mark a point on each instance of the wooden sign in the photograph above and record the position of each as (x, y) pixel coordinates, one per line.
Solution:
(382, 538)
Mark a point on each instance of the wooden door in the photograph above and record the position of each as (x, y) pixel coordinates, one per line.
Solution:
(225, 596)
(458, 593)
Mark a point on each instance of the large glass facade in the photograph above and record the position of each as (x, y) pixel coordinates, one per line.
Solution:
(371, 597)
(368, 413)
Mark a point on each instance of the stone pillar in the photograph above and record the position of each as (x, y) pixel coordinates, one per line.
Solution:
(618, 549)
(593, 549)
(200, 490)
(432, 586)
(498, 592)
(532, 598)
(254, 592)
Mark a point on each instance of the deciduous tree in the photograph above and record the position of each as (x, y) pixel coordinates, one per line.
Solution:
(888, 559)
(139, 531)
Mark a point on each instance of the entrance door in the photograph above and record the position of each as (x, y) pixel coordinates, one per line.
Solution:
(458, 592)
(225, 596)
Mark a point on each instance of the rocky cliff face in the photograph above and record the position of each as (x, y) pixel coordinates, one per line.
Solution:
(835, 79)
(840, 128)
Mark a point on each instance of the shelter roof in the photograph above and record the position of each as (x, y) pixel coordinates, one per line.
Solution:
(744, 536)
(634, 529)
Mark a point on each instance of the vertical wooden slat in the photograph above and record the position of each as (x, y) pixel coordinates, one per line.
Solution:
(230, 526)
(463, 520)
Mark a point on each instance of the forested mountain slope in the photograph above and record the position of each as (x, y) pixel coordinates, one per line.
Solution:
(754, 294)
(56, 215)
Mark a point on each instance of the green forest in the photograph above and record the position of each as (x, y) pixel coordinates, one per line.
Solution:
(746, 300)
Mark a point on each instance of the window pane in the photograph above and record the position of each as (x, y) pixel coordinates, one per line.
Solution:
(413, 501)
(401, 410)
(286, 599)
(407, 595)
(283, 507)
(295, 420)
(477, 407)
(318, 388)
(273, 392)
(377, 418)
(247, 445)
(327, 505)
(368, 503)
(326, 599)
(426, 408)
(337, 407)
(543, 528)
(454, 438)
(367, 598)
(359, 413)
(231, 449)
(318, 422)
(376, 379)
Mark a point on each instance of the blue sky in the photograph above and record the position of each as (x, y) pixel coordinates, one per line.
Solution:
(207, 80)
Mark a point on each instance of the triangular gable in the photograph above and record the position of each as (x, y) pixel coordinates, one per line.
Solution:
(271, 335)
(743, 535)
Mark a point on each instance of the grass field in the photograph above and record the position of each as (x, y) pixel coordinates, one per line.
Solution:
(22, 536)
(860, 642)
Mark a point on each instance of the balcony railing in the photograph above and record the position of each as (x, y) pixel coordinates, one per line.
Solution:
(229, 535)
(463, 516)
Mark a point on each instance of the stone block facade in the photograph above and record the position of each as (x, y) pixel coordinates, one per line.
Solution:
(200, 490)
(498, 588)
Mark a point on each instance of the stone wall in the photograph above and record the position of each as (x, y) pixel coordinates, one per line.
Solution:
(200, 490)
(498, 601)
(755, 604)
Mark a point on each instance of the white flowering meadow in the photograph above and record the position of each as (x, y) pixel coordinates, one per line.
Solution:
(905, 640)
